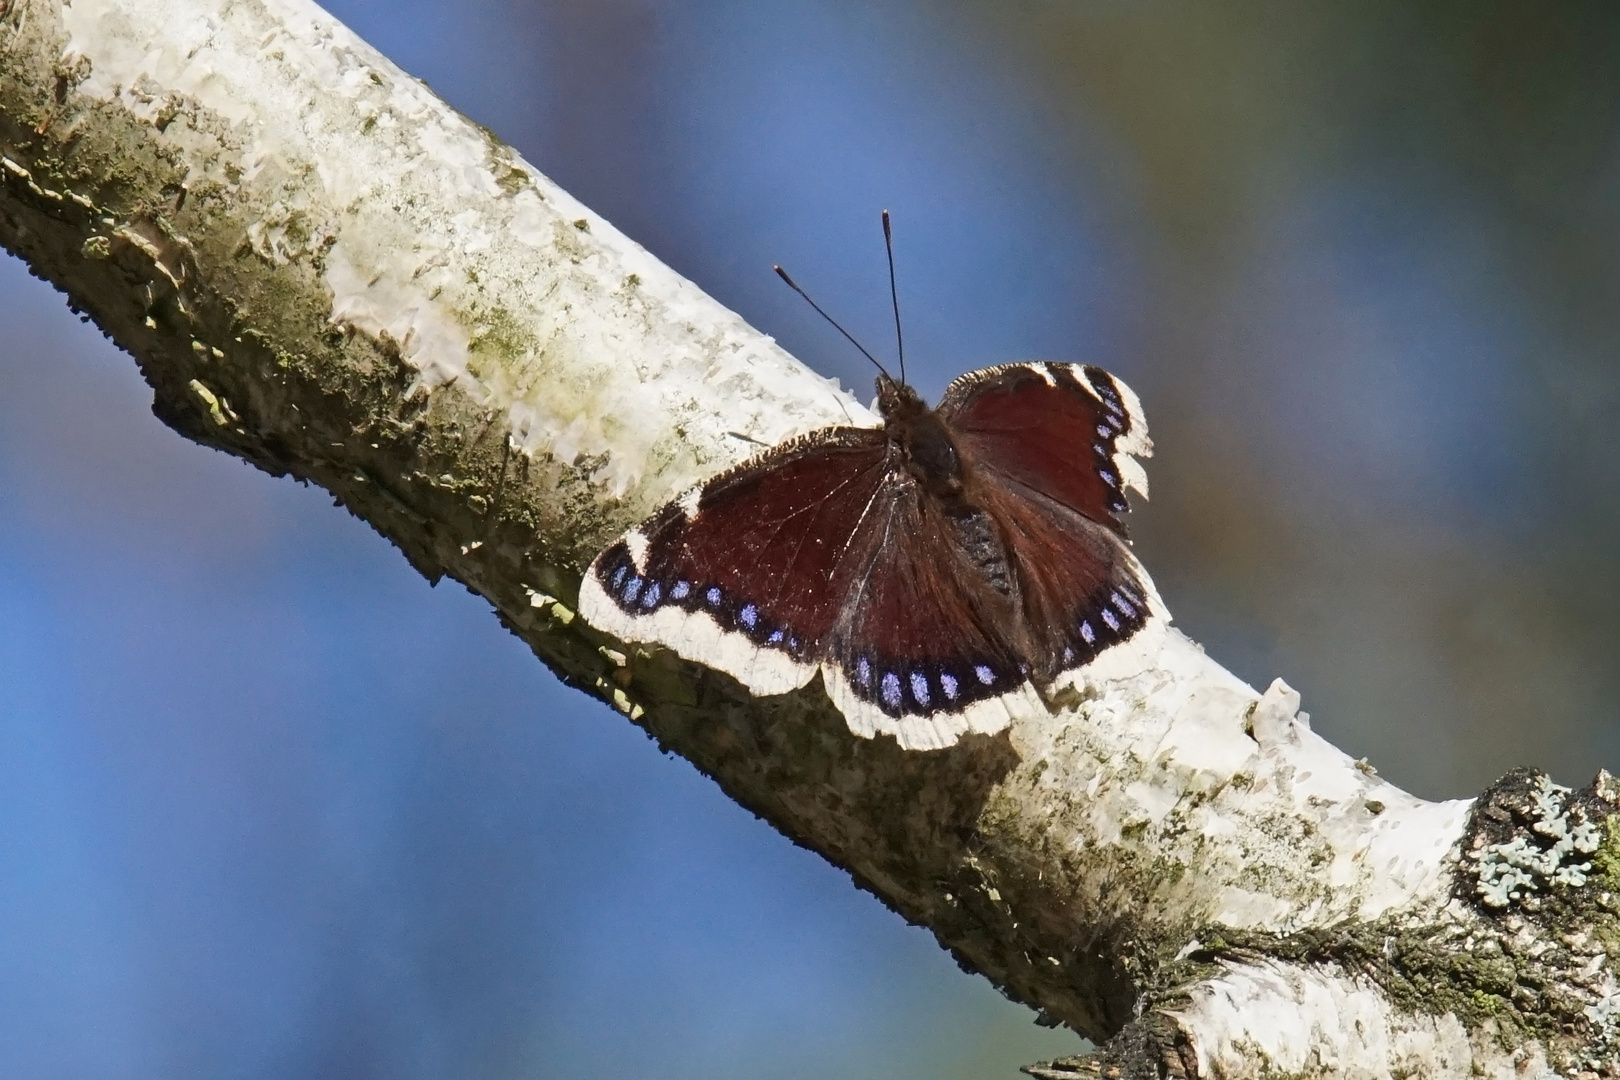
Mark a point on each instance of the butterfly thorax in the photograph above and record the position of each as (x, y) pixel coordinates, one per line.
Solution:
(922, 439)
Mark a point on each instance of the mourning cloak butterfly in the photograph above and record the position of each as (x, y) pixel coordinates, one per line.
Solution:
(933, 569)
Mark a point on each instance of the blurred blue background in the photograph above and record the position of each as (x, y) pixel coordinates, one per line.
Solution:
(272, 807)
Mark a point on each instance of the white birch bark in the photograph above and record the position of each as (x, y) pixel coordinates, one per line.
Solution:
(322, 268)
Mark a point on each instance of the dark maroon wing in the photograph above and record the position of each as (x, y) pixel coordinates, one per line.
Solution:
(1065, 430)
(763, 552)
(1081, 589)
(918, 653)
(1051, 449)
(818, 555)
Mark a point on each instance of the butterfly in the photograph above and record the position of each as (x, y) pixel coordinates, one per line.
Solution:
(940, 572)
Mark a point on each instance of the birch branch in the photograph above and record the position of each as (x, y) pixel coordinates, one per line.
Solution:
(323, 269)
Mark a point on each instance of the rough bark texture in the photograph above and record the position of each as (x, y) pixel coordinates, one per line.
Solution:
(322, 269)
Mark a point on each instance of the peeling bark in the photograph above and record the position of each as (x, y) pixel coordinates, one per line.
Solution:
(324, 270)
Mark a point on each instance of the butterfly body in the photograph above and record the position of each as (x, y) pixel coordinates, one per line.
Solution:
(921, 438)
(940, 571)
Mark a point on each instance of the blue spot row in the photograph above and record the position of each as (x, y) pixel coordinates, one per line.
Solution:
(1104, 384)
(1121, 613)
(639, 595)
(918, 689)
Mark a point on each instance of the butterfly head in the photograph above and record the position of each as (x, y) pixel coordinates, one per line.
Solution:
(897, 401)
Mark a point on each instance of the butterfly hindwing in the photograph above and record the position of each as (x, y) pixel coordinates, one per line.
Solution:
(1082, 590)
(919, 654)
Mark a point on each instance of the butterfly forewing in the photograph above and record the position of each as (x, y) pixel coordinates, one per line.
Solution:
(1065, 430)
(749, 572)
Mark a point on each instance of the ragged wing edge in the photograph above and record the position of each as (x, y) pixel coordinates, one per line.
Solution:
(1136, 653)
(1132, 443)
(695, 636)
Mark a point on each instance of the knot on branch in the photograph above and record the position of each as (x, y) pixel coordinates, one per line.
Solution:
(1540, 866)
(1150, 1048)
(1530, 840)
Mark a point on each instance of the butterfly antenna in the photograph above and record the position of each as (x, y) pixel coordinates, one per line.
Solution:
(894, 295)
(781, 273)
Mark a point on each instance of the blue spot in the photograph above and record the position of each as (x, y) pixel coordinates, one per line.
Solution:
(1108, 477)
(863, 672)
(1086, 632)
(618, 576)
(649, 599)
(919, 688)
(891, 689)
(1117, 504)
(1108, 617)
(1105, 431)
(713, 596)
(948, 681)
(748, 616)
(793, 643)
(1123, 605)
(776, 637)
(1100, 450)
(680, 591)
(1068, 655)
(985, 675)
(632, 589)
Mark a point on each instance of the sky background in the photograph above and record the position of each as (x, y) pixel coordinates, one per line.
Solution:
(271, 807)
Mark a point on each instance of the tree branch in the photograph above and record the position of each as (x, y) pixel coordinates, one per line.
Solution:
(323, 269)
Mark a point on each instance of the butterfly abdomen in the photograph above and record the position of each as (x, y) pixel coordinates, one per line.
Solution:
(976, 538)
